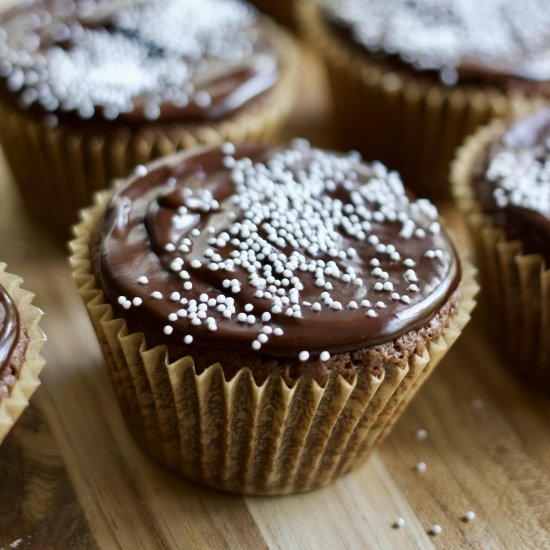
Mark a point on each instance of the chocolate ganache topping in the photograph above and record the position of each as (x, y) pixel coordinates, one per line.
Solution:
(513, 184)
(289, 252)
(9, 329)
(185, 60)
(467, 40)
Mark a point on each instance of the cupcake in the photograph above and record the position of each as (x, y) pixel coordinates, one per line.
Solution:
(411, 79)
(89, 89)
(267, 313)
(501, 180)
(281, 10)
(20, 344)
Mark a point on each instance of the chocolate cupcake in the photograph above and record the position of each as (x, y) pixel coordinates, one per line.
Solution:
(501, 181)
(412, 79)
(89, 89)
(20, 344)
(266, 314)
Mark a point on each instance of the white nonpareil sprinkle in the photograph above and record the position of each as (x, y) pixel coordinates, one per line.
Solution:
(435, 529)
(421, 434)
(421, 467)
(228, 148)
(440, 34)
(399, 522)
(325, 356)
(469, 516)
(256, 345)
(303, 356)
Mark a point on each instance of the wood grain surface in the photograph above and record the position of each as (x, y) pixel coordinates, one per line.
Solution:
(72, 477)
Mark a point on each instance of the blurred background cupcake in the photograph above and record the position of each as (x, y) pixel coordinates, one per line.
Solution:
(501, 180)
(90, 89)
(411, 79)
(288, 304)
(20, 342)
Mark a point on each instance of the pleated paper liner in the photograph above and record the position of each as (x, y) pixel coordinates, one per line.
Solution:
(12, 406)
(516, 286)
(59, 169)
(409, 122)
(238, 435)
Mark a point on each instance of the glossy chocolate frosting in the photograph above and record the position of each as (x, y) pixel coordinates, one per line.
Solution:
(513, 182)
(166, 60)
(9, 329)
(288, 252)
(495, 41)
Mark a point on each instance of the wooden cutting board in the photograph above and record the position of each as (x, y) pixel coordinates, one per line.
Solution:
(72, 477)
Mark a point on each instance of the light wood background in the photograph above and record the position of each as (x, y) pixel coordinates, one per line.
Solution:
(72, 477)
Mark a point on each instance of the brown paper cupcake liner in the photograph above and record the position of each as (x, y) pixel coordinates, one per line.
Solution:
(516, 286)
(59, 169)
(407, 121)
(238, 435)
(12, 406)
